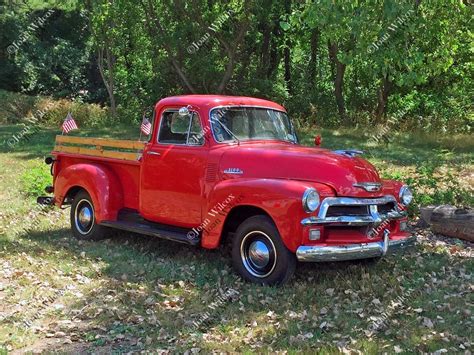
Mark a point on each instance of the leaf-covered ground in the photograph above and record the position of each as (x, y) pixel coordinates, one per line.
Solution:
(136, 293)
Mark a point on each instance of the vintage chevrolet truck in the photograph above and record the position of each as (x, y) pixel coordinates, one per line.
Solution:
(225, 168)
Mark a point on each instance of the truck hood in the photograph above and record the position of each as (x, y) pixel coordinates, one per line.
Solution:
(288, 161)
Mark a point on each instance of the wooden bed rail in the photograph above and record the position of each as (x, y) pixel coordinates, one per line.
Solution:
(69, 144)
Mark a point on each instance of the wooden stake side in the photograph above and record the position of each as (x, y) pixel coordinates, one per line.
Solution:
(103, 142)
(99, 144)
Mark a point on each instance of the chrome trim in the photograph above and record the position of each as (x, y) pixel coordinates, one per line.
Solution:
(351, 153)
(402, 191)
(374, 217)
(353, 220)
(84, 217)
(235, 171)
(369, 186)
(249, 255)
(240, 106)
(352, 251)
(187, 137)
(304, 200)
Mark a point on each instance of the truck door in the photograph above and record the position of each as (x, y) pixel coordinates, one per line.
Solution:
(172, 174)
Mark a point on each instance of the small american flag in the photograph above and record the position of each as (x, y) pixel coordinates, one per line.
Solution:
(146, 126)
(69, 124)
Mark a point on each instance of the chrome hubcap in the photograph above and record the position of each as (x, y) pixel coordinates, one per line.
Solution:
(84, 217)
(258, 254)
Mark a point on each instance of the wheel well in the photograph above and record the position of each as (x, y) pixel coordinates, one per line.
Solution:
(71, 193)
(236, 216)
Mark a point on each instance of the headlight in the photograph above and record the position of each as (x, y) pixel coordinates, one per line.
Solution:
(405, 195)
(310, 200)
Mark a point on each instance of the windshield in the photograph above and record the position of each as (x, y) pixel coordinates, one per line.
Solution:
(251, 123)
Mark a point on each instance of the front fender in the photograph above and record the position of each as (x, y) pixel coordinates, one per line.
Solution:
(99, 181)
(279, 198)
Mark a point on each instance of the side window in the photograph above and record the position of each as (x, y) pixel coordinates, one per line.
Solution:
(196, 135)
(176, 129)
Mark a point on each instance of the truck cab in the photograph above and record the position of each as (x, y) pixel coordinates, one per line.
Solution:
(218, 168)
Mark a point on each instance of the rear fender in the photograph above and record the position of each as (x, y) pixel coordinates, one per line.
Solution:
(99, 181)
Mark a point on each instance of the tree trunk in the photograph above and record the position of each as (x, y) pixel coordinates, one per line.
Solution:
(382, 98)
(287, 54)
(231, 52)
(314, 43)
(450, 221)
(338, 80)
(105, 44)
(287, 58)
(274, 53)
(108, 77)
(265, 48)
(155, 29)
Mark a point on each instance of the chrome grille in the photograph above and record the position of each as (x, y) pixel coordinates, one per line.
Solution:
(336, 211)
(349, 211)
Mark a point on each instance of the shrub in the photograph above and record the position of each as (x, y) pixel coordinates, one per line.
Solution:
(35, 179)
(85, 115)
(16, 108)
(431, 186)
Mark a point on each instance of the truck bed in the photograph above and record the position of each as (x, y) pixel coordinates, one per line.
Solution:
(123, 157)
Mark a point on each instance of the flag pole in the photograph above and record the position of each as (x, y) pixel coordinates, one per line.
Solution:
(140, 138)
(62, 127)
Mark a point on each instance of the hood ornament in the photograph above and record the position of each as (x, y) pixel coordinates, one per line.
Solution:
(351, 153)
(369, 186)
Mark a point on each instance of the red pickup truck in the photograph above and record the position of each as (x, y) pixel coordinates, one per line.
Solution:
(221, 168)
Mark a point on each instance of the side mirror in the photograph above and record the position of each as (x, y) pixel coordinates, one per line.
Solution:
(318, 140)
(184, 111)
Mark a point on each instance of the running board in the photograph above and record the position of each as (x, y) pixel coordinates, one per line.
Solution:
(133, 222)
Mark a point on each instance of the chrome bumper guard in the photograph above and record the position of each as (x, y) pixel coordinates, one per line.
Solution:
(353, 251)
(373, 218)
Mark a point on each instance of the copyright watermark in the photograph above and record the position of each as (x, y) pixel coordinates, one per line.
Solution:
(28, 33)
(394, 27)
(214, 215)
(214, 27)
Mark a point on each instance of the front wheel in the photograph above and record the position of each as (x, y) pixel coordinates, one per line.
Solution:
(83, 223)
(258, 253)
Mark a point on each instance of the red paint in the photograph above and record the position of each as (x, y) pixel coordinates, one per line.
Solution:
(181, 185)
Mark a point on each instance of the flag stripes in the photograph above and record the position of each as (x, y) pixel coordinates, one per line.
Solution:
(69, 124)
(146, 126)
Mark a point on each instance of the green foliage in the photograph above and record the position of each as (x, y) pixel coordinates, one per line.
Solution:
(85, 115)
(35, 179)
(16, 108)
(433, 187)
(432, 184)
(53, 54)
(420, 52)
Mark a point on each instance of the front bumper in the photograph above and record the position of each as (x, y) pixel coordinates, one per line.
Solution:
(353, 251)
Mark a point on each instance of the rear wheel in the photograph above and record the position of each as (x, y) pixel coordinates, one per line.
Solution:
(83, 223)
(258, 253)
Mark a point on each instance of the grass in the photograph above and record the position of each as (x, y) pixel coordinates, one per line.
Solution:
(134, 293)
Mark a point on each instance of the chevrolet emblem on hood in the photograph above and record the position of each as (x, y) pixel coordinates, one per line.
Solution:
(369, 186)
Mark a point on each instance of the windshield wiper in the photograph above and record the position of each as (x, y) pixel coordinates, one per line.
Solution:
(227, 130)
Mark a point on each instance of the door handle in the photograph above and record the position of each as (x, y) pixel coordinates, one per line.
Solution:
(153, 153)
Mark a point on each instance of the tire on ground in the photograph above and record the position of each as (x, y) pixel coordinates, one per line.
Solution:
(259, 254)
(83, 223)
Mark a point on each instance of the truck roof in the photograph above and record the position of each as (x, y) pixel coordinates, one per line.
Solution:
(209, 101)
